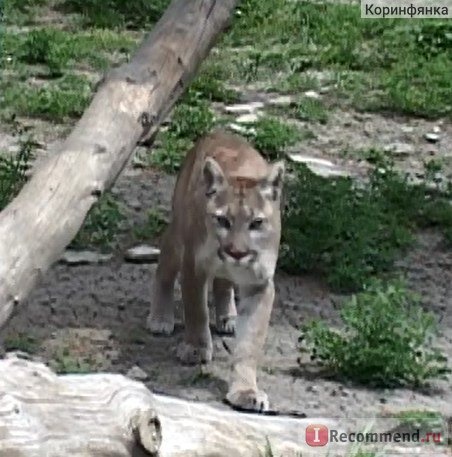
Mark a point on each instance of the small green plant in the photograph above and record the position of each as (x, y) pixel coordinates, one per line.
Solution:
(13, 170)
(21, 342)
(101, 224)
(64, 362)
(50, 47)
(273, 136)
(386, 339)
(309, 109)
(154, 226)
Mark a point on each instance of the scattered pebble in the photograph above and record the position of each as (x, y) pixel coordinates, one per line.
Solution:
(243, 108)
(407, 129)
(73, 257)
(142, 253)
(399, 148)
(137, 373)
(432, 137)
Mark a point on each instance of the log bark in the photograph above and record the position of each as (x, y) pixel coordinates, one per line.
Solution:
(128, 107)
(42, 414)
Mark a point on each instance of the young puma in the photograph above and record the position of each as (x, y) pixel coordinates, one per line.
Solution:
(225, 227)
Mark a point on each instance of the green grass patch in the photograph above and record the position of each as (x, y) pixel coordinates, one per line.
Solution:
(420, 418)
(352, 233)
(21, 342)
(101, 225)
(60, 50)
(134, 14)
(273, 136)
(55, 101)
(384, 64)
(191, 118)
(386, 340)
(13, 170)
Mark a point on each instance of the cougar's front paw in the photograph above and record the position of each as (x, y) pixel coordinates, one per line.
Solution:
(249, 399)
(194, 355)
(159, 326)
(226, 325)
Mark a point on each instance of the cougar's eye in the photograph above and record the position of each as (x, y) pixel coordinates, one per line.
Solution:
(256, 224)
(223, 222)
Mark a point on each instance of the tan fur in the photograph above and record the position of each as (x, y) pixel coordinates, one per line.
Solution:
(225, 228)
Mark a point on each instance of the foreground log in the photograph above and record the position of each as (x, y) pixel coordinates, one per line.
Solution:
(128, 107)
(42, 414)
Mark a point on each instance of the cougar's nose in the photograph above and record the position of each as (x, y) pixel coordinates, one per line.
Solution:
(237, 254)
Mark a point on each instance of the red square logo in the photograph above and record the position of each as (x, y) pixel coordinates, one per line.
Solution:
(316, 435)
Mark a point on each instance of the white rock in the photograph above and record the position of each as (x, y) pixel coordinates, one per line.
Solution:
(432, 137)
(247, 118)
(321, 167)
(312, 94)
(242, 129)
(282, 100)
(73, 257)
(243, 108)
(137, 373)
(407, 129)
(436, 129)
(399, 148)
(142, 253)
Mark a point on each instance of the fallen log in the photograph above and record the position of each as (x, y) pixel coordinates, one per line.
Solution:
(42, 414)
(128, 107)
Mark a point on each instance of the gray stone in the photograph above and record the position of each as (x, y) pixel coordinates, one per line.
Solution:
(399, 148)
(73, 257)
(247, 118)
(142, 253)
(137, 373)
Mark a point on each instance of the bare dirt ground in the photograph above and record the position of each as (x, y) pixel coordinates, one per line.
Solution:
(98, 312)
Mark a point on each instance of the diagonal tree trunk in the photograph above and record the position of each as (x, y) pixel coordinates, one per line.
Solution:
(128, 107)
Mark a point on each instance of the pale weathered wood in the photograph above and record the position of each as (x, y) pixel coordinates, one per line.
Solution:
(129, 105)
(42, 414)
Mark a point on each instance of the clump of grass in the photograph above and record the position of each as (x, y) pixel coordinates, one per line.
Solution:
(153, 227)
(65, 362)
(386, 340)
(101, 225)
(21, 342)
(191, 119)
(13, 170)
(56, 101)
(310, 109)
(116, 13)
(272, 136)
(351, 233)
(420, 418)
(59, 49)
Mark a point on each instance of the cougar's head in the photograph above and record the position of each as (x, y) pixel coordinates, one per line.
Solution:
(243, 214)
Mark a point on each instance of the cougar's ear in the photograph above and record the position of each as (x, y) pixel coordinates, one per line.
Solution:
(214, 178)
(272, 184)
